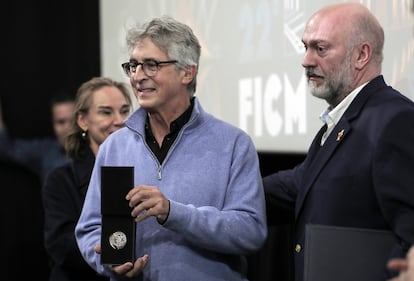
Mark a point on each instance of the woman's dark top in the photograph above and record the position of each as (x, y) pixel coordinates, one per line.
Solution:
(63, 195)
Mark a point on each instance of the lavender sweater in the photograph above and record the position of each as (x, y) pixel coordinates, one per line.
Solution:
(217, 210)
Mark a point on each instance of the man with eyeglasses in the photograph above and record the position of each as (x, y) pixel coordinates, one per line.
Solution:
(198, 198)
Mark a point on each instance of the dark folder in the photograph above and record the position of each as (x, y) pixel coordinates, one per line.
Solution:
(346, 254)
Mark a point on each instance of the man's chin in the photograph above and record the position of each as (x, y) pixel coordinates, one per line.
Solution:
(318, 92)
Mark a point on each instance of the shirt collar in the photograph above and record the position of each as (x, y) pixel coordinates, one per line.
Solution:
(178, 123)
(331, 116)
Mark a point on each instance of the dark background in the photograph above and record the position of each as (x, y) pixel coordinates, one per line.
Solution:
(50, 46)
(47, 46)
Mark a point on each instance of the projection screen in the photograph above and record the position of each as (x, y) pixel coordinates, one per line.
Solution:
(250, 69)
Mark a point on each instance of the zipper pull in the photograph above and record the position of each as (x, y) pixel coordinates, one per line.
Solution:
(159, 172)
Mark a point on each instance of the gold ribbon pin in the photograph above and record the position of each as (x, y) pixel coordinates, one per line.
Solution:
(340, 135)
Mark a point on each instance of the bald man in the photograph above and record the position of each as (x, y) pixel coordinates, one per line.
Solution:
(359, 168)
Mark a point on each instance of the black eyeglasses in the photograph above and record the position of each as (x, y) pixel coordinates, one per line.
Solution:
(150, 67)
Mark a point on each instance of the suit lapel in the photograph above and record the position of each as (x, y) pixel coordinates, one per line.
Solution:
(321, 156)
(317, 159)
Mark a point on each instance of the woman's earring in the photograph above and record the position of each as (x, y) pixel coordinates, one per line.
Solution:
(84, 135)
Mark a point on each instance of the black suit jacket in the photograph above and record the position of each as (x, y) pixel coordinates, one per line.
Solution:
(363, 176)
(63, 195)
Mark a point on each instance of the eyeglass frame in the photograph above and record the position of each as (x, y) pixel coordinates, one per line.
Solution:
(126, 66)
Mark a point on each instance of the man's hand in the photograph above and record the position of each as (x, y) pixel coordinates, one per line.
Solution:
(127, 269)
(148, 201)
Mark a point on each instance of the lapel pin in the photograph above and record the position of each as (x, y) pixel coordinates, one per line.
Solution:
(340, 135)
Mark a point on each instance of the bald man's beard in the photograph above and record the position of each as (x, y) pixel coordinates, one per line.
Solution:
(336, 83)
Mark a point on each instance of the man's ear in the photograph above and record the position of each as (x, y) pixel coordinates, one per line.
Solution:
(189, 73)
(364, 55)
